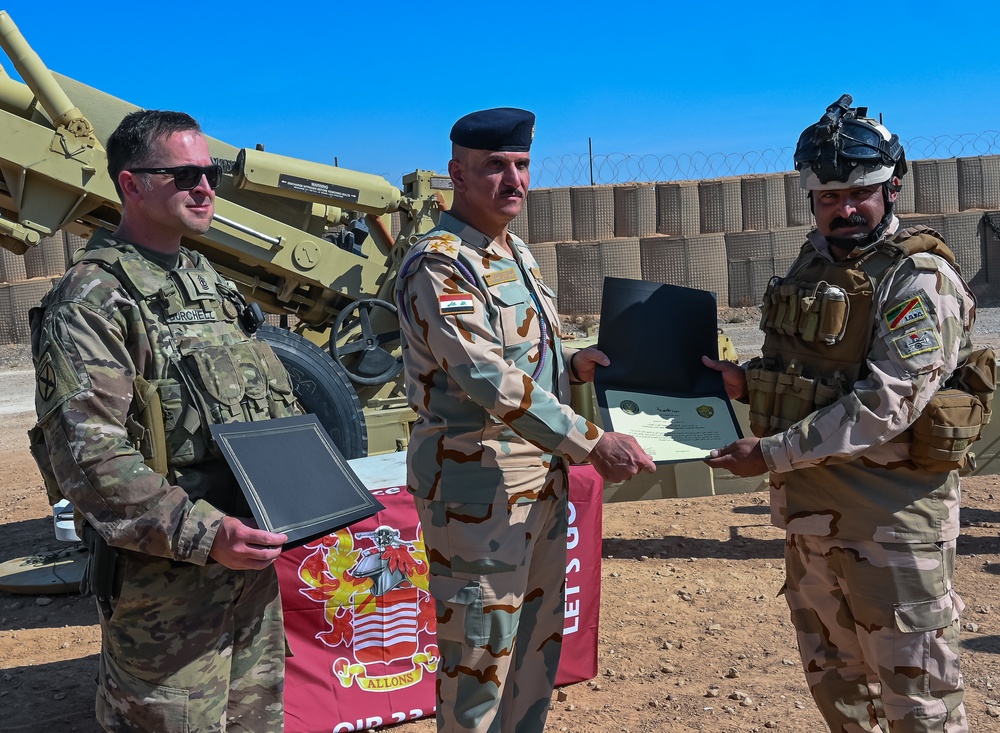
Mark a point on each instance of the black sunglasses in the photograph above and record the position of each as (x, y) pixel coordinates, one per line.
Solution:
(186, 177)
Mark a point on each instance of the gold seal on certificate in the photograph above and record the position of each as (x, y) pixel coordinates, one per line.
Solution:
(656, 389)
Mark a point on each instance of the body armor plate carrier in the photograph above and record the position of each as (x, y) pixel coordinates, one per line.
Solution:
(818, 322)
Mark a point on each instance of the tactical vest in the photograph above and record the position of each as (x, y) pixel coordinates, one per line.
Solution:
(205, 369)
(818, 323)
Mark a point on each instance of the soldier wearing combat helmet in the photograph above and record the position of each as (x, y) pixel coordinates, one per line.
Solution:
(487, 460)
(867, 352)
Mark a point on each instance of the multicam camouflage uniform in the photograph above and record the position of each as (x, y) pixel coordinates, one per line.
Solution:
(187, 643)
(870, 546)
(486, 463)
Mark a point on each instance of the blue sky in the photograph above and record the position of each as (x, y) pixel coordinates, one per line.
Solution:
(378, 85)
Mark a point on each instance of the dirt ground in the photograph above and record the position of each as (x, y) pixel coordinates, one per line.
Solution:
(693, 637)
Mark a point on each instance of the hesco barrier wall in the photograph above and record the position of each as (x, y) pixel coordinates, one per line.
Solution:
(731, 235)
(725, 235)
(24, 279)
(15, 300)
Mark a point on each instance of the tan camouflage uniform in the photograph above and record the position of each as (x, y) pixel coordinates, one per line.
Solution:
(487, 376)
(870, 546)
(188, 644)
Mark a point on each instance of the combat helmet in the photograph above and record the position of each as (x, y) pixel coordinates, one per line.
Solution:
(847, 149)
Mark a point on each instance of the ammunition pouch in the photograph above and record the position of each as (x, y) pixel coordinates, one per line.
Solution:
(147, 427)
(953, 419)
(978, 376)
(243, 382)
(778, 400)
(815, 312)
(105, 570)
(240, 382)
(762, 388)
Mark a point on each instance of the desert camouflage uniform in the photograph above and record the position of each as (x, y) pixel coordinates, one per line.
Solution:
(870, 544)
(187, 643)
(486, 463)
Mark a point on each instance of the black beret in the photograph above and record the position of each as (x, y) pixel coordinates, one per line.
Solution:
(504, 129)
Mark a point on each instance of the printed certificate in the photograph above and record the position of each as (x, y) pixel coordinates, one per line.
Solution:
(673, 428)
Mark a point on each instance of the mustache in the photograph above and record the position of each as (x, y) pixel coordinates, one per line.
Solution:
(512, 192)
(854, 220)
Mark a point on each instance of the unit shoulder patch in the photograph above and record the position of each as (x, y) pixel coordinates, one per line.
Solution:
(56, 381)
(917, 342)
(46, 378)
(905, 313)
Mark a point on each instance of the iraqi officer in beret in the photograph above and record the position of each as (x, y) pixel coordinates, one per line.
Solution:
(487, 461)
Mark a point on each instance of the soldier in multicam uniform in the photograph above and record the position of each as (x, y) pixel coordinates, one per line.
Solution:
(487, 459)
(137, 350)
(865, 338)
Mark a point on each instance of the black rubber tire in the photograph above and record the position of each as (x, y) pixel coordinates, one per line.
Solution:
(322, 389)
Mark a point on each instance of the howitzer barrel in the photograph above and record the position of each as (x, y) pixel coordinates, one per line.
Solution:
(15, 97)
(304, 180)
(40, 80)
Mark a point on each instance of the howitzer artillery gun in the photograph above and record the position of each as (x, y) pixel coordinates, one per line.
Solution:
(298, 238)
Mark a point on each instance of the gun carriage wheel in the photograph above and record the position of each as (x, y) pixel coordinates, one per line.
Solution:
(322, 388)
(361, 344)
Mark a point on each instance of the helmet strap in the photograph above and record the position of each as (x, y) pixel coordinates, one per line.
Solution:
(890, 208)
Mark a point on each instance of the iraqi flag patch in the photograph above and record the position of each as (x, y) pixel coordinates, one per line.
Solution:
(903, 314)
(455, 305)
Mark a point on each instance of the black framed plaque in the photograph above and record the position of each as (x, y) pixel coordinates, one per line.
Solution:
(296, 481)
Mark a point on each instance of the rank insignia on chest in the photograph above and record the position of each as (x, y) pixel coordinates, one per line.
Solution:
(454, 305)
(500, 277)
(536, 273)
(917, 342)
(908, 312)
(196, 284)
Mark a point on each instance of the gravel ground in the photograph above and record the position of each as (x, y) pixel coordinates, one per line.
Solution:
(14, 357)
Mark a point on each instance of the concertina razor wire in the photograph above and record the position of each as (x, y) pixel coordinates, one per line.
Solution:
(609, 168)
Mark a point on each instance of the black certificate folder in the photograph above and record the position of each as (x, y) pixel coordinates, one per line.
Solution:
(656, 387)
(294, 478)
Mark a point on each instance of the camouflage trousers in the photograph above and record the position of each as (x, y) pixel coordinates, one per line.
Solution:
(190, 648)
(497, 573)
(877, 627)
